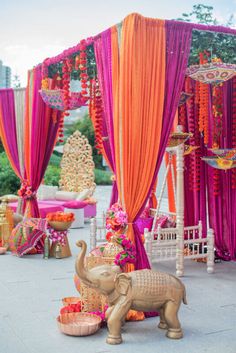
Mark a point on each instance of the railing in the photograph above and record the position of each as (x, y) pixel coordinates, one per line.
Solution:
(97, 231)
(163, 245)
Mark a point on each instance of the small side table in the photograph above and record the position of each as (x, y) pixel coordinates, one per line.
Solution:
(65, 249)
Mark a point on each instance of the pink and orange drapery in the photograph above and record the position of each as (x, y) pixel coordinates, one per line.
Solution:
(37, 140)
(144, 103)
(40, 136)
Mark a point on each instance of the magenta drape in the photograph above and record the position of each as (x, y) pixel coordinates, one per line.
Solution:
(102, 47)
(195, 208)
(178, 45)
(178, 37)
(43, 136)
(221, 207)
(8, 124)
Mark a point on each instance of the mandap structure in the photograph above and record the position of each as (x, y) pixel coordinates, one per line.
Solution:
(132, 78)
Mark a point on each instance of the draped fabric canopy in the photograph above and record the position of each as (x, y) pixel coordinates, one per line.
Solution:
(144, 62)
(40, 136)
(28, 133)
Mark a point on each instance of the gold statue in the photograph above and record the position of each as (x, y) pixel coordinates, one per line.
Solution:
(142, 290)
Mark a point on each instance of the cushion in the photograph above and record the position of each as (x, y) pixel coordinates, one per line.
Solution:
(84, 194)
(66, 195)
(161, 221)
(9, 198)
(75, 204)
(47, 192)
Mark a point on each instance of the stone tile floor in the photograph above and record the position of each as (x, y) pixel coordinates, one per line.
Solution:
(31, 289)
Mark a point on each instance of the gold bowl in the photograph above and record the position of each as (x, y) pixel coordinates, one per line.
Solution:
(78, 324)
(60, 226)
(70, 300)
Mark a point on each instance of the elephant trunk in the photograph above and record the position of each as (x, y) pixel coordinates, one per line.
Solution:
(81, 271)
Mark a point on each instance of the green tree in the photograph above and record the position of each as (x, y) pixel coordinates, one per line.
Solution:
(9, 182)
(218, 44)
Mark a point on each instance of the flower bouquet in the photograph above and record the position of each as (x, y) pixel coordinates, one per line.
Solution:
(116, 219)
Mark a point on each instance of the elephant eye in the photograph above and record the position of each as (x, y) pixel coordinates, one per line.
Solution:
(106, 274)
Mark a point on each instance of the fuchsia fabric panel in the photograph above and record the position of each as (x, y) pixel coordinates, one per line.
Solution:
(54, 206)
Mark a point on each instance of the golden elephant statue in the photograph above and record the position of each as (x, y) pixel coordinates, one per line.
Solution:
(142, 290)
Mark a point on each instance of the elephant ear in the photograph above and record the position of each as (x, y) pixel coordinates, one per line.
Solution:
(122, 283)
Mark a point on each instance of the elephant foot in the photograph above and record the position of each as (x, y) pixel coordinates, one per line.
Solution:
(114, 339)
(174, 333)
(162, 325)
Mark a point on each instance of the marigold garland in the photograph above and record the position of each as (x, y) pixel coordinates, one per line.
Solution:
(203, 102)
(233, 172)
(217, 109)
(98, 107)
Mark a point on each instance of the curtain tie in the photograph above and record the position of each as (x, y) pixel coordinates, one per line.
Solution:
(26, 192)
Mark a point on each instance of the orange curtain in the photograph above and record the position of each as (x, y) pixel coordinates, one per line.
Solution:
(138, 70)
(170, 178)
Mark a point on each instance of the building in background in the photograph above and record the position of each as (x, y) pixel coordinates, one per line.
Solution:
(5, 76)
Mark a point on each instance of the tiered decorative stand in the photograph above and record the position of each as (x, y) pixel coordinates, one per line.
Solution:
(64, 250)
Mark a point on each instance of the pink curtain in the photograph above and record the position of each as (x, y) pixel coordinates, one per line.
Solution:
(221, 207)
(8, 129)
(40, 135)
(102, 47)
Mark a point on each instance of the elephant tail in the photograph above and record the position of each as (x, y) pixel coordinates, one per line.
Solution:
(184, 296)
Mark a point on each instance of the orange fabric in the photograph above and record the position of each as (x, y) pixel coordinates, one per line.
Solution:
(170, 186)
(153, 197)
(138, 95)
(134, 315)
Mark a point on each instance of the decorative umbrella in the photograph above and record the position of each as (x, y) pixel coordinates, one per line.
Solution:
(54, 99)
(215, 72)
(227, 153)
(176, 138)
(219, 163)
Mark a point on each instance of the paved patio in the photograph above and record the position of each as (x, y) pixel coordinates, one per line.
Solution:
(31, 289)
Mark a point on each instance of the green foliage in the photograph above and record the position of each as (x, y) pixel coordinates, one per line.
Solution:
(1, 147)
(9, 182)
(102, 177)
(55, 159)
(85, 126)
(52, 175)
(217, 44)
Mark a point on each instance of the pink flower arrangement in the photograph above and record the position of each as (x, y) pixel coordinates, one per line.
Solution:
(26, 191)
(128, 255)
(116, 218)
(58, 236)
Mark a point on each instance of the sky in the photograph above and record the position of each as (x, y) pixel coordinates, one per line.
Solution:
(31, 31)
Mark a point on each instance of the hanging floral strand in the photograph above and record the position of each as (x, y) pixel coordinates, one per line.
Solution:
(83, 68)
(203, 102)
(197, 137)
(233, 172)
(217, 110)
(98, 119)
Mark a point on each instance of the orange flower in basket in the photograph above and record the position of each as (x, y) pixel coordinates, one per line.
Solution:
(60, 217)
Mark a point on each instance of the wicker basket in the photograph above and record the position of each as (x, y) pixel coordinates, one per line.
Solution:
(91, 299)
